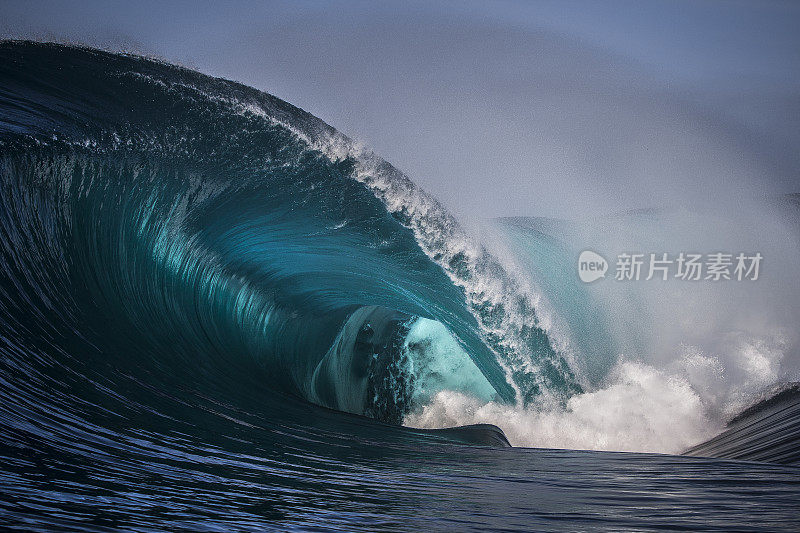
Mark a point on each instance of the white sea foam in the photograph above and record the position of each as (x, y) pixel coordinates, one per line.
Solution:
(642, 409)
(639, 408)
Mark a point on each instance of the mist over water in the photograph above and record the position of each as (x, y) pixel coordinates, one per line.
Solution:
(664, 364)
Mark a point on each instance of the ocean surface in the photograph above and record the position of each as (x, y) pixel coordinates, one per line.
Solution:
(219, 313)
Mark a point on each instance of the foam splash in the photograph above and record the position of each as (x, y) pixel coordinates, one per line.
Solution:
(640, 408)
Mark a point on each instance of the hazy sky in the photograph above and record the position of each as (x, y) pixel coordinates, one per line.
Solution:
(503, 108)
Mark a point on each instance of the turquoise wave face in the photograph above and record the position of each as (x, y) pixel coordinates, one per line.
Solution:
(164, 219)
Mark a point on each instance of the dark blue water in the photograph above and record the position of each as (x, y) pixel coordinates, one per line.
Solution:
(210, 314)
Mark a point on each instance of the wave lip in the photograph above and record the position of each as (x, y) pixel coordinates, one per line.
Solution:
(475, 434)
